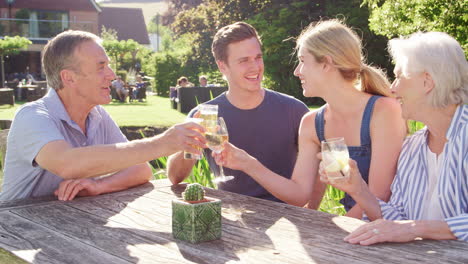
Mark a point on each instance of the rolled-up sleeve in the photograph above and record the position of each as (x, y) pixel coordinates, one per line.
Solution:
(459, 226)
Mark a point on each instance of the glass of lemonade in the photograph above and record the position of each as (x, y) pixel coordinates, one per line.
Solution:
(188, 155)
(335, 158)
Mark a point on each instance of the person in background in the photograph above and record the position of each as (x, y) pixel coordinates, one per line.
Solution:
(430, 191)
(332, 66)
(262, 121)
(119, 86)
(183, 82)
(203, 81)
(67, 144)
(138, 86)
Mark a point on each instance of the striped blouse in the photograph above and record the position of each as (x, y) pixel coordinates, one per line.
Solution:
(411, 181)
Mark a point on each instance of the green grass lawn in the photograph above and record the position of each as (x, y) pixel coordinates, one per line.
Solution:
(156, 111)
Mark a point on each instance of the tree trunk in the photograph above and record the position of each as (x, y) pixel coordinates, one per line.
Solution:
(3, 71)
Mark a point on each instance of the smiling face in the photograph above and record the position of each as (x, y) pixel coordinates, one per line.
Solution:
(410, 92)
(243, 67)
(310, 72)
(203, 82)
(94, 77)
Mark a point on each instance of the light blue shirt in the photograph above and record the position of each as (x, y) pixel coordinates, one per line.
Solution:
(38, 123)
(412, 180)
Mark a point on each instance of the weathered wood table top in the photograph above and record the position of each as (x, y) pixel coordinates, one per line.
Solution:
(134, 226)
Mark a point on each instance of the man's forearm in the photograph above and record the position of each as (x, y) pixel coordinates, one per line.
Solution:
(93, 161)
(178, 168)
(127, 178)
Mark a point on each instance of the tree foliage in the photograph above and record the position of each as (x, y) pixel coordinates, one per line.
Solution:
(13, 45)
(10, 46)
(393, 18)
(124, 53)
(278, 22)
(279, 26)
(177, 6)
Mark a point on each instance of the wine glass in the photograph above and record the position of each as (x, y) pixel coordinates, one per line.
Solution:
(335, 158)
(215, 137)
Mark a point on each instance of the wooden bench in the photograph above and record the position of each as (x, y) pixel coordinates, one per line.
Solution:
(35, 93)
(189, 97)
(6, 96)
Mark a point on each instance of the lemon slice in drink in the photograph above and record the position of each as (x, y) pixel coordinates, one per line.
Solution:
(333, 166)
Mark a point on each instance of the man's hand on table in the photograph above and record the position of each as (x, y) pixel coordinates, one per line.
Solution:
(69, 189)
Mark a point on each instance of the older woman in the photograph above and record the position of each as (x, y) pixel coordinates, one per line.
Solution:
(430, 191)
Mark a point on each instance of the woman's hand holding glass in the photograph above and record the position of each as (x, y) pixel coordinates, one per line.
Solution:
(353, 184)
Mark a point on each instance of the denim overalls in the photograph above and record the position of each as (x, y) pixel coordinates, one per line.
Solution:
(361, 154)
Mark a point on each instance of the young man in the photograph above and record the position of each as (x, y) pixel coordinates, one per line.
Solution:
(262, 122)
(61, 143)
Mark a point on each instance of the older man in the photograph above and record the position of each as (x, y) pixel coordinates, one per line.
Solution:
(64, 142)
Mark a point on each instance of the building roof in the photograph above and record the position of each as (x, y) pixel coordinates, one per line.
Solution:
(128, 22)
(63, 5)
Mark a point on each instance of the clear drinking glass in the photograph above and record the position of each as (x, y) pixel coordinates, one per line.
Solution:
(188, 155)
(209, 114)
(335, 158)
(215, 137)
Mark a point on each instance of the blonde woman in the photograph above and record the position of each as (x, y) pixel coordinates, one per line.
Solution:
(332, 66)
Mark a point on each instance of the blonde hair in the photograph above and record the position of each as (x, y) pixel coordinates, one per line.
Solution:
(442, 57)
(334, 39)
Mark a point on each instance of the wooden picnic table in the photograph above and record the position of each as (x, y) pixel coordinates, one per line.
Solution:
(135, 226)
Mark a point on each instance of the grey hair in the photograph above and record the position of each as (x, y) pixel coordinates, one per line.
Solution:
(59, 54)
(442, 57)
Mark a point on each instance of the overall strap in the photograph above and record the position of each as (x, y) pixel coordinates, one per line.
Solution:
(366, 118)
(320, 124)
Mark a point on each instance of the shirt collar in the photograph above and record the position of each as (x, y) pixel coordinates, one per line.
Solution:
(460, 117)
(57, 109)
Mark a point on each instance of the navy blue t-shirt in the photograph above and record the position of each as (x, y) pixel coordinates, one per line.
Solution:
(268, 132)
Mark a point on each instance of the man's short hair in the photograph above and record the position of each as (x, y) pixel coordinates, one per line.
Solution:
(59, 54)
(233, 33)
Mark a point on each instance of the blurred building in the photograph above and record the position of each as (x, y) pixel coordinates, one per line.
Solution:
(41, 20)
(128, 22)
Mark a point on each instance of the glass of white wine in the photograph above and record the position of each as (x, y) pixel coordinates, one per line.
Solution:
(335, 158)
(215, 137)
